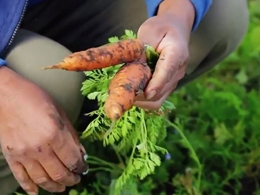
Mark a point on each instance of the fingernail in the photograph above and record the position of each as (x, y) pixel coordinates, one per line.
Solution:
(151, 94)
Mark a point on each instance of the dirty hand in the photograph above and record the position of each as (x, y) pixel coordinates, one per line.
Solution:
(168, 32)
(37, 139)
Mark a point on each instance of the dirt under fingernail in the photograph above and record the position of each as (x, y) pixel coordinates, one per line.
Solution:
(80, 170)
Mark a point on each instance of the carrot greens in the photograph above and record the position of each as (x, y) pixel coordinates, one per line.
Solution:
(135, 137)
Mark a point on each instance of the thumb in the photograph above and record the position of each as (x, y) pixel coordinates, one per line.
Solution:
(173, 56)
(164, 72)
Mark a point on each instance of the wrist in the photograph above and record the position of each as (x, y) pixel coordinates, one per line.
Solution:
(180, 11)
(6, 78)
(10, 84)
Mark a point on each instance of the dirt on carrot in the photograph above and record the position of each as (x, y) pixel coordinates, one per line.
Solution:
(130, 79)
(123, 51)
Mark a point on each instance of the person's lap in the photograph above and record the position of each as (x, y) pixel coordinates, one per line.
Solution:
(88, 26)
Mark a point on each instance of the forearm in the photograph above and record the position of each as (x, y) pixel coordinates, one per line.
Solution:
(180, 11)
(200, 8)
(7, 78)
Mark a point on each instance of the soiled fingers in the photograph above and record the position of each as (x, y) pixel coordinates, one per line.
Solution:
(162, 93)
(57, 172)
(40, 177)
(23, 178)
(155, 104)
(70, 154)
(47, 170)
(48, 173)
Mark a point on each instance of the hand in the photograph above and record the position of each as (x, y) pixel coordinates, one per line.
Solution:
(37, 139)
(168, 33)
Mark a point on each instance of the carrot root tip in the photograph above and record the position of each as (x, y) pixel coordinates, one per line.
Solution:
(56, 66)
(114, 112)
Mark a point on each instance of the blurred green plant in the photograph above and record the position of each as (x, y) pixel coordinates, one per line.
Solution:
(220, 116)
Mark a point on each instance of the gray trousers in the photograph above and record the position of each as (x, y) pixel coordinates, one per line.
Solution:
(219, 34)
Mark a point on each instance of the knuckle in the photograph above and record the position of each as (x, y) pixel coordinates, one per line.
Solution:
(28, 187)
(42, 180)
(28, 150)
(73, 165)
(22, 149)
(58, 177)
(51, 136)
(7, 149)
(21, 178)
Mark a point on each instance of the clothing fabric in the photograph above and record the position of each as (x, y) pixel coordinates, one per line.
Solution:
(12, 11)
(34, 2)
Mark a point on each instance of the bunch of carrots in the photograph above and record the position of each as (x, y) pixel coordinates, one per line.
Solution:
(131, 78)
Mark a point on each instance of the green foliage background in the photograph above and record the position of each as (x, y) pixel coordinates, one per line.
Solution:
(219, 115)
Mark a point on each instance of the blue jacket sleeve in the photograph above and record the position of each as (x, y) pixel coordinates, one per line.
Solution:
(201, 8)
(2, 62)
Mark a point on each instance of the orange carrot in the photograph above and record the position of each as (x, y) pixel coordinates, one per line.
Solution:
(112, 54)
(123, 88)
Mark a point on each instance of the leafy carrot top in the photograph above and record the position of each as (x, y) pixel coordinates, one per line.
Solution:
(135, 137)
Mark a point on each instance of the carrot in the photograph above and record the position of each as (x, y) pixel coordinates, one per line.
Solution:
(112, 54)
(130, 79)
